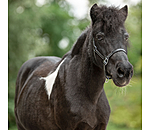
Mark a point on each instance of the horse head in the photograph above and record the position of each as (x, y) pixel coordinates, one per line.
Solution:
(109, 42)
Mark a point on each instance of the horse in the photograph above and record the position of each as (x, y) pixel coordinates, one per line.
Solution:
(67, 93)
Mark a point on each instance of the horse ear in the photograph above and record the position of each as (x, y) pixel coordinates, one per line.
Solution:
(93, 13)
(124, 12)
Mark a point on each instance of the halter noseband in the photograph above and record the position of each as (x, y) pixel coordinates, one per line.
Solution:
(105, 58)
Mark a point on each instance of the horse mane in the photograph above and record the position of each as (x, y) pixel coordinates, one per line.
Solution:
(77, 47)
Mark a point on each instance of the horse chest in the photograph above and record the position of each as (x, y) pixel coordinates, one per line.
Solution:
(72, 110)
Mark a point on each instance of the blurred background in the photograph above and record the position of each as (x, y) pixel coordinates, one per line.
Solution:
(50, 27)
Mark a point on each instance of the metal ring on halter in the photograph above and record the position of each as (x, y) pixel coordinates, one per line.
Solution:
(105, 61)
(105, 58)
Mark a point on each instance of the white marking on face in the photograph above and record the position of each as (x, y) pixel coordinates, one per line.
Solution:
(50, 80)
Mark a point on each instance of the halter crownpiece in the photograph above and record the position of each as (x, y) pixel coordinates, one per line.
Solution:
(105, 58)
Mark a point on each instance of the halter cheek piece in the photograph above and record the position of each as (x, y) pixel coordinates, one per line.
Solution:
(105, 58)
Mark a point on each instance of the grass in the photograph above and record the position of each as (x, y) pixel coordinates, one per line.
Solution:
(126, 105)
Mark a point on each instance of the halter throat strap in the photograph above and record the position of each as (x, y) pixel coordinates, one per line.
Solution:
(105, 58)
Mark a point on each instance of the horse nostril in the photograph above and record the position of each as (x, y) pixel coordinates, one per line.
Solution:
(120, 72)
(131, 73)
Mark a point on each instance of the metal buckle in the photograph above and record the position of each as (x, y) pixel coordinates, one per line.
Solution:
(105, 61)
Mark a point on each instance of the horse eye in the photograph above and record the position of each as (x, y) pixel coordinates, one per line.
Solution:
(126, 36)
(100, 36)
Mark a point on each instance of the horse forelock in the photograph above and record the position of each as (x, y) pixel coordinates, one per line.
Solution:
(110, 18)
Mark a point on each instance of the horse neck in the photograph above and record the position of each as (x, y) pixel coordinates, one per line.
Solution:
(92, 76)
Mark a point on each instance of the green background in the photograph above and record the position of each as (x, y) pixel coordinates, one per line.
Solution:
(52, 29)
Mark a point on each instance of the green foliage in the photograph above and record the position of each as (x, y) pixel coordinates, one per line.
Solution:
(51, 29)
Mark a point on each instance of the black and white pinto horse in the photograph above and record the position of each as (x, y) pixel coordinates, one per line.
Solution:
(67, 94)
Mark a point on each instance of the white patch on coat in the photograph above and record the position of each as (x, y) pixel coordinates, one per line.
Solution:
(50, 80)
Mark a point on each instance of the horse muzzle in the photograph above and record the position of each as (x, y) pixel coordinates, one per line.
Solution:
(123, 73)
